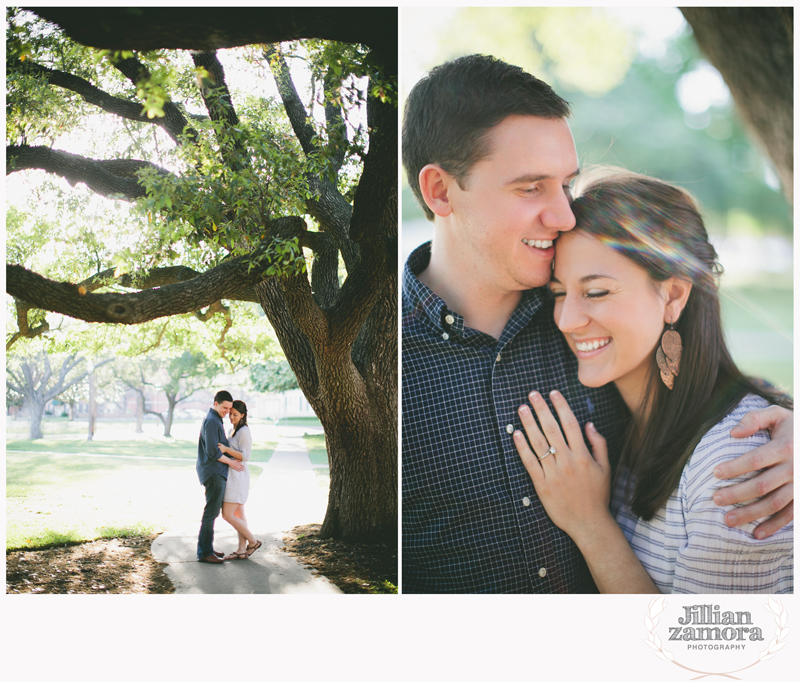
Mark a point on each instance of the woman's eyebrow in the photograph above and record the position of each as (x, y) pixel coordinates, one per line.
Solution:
(587, 278)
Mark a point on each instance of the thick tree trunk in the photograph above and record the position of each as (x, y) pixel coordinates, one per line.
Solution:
(171, 402)
(37, 413)
(139, 412)
(357, 407)
(752, 47)
(362, 500)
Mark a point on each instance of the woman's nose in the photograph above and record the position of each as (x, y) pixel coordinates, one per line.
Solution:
(569, 315)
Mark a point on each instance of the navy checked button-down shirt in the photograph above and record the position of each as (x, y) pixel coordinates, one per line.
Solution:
(212, 432)
(472, 521)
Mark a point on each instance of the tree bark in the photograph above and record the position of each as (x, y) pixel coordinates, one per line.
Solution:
(37, 414)
(212, 28)
(752, 47)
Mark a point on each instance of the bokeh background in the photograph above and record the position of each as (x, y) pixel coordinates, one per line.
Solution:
(645, 98)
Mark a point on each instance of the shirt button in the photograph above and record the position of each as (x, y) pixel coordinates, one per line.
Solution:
(445, 336)
(510, 428)
(542, 572)
(449, 319)
(526, 501)
(498, 357)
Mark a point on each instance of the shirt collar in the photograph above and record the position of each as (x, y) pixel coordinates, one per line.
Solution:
(420, 301)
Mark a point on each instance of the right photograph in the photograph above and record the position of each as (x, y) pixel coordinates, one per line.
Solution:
(597, 303)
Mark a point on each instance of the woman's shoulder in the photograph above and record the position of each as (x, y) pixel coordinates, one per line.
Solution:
(721, 430)
(718, 446)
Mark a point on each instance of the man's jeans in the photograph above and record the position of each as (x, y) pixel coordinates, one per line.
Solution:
(215, 490)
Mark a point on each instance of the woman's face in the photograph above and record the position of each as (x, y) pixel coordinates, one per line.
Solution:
(610, 311)
(235, 416)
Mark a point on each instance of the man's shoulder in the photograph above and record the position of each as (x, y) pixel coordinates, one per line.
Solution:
(212, 417)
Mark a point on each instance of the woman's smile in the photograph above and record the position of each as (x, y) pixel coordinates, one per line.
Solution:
(610, 311)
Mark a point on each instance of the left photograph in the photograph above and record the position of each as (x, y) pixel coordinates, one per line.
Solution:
(201, 310)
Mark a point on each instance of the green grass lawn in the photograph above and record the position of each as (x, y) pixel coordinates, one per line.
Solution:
(319, 455)
(143, 447)
(759, 318)
(56, 498)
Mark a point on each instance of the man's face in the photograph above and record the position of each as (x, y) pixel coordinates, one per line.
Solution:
(223, 408)
(516, 202)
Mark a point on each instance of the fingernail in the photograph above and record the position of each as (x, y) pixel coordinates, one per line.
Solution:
(718, 500)
(523, 409)
(534, 396)
(761, 535)
(555, 394)
(718, 472)
(591, 426)
(731, 518)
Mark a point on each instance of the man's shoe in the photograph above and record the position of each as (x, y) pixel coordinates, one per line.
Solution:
(212, 559)
(219, 554)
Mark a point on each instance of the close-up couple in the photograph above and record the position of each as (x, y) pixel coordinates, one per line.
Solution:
(572, 418)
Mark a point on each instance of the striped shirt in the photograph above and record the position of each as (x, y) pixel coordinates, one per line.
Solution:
(472, 521)
(687, 548)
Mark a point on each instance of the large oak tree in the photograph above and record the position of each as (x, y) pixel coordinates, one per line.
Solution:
(246, 195)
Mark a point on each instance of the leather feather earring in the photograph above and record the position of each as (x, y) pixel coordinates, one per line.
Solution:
(668, 356)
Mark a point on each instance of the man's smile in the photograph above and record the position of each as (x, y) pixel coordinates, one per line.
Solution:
(538, 243)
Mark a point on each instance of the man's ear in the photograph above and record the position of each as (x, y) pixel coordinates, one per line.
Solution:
(677, 292)
(434, 183)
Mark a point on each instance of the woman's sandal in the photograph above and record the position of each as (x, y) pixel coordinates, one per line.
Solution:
(236, 555)
(252, 549)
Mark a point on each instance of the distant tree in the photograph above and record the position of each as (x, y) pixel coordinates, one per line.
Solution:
(273, 377)
(13, 399)
(33, 377)
(178, 378)
(73, 395)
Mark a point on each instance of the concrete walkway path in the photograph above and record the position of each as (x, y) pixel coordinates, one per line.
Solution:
(285, 495)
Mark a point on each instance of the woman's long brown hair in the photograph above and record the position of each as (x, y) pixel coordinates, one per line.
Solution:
(240, 407)
(658, 226)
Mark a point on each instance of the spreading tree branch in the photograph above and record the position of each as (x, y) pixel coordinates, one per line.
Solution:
(220, 108)
(174, 121)
(211, 28)
(173, 125)
(331, 210)
(24, 330)
(115, 179)
(334, 121)
(223, 281)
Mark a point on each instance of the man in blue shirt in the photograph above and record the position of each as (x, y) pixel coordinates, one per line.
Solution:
(212, 470)
(490, 157)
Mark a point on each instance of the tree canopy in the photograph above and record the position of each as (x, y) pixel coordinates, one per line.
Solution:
(186, 174)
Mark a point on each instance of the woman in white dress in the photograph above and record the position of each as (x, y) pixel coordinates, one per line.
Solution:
(240, 443)
(635, 295)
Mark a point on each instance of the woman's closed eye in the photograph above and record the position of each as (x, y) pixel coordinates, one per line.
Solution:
(591, 293)
(596, 293)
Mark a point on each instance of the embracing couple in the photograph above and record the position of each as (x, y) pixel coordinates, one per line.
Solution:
(572, 418)
(222, 469)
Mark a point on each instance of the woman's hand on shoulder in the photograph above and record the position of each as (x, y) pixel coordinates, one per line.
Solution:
(574, 486)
